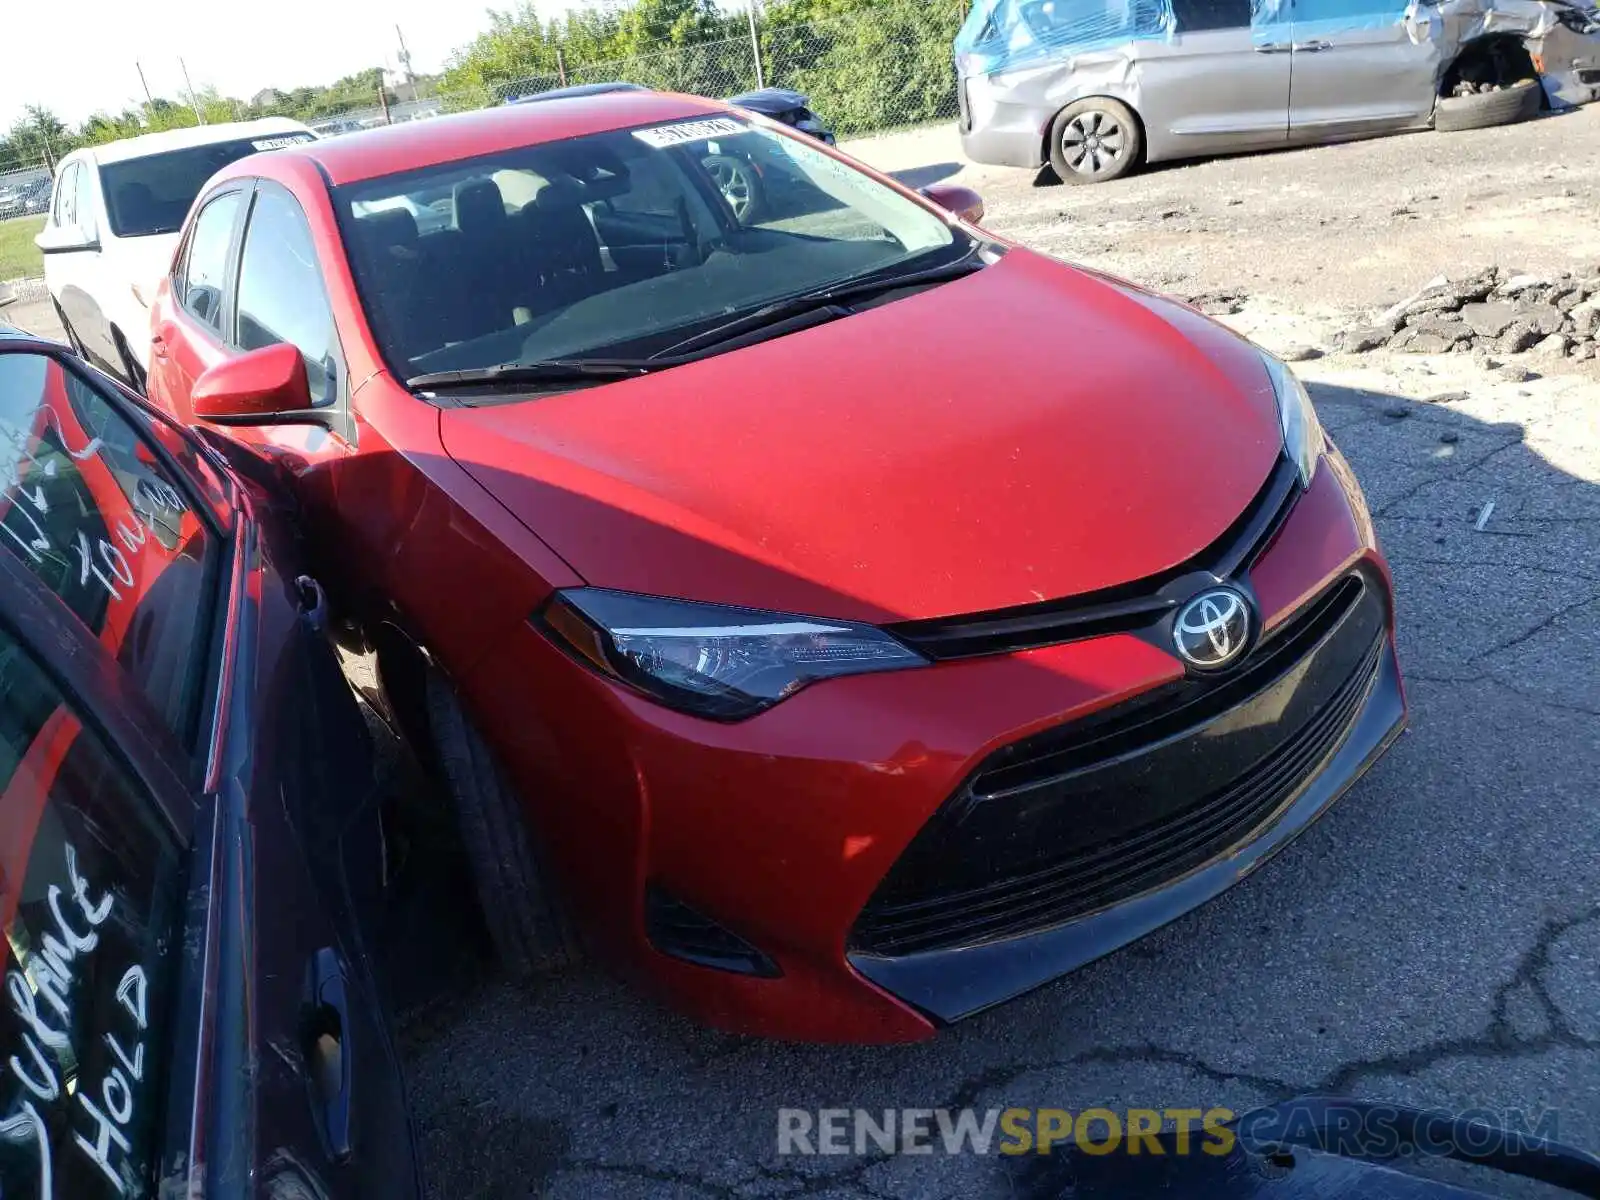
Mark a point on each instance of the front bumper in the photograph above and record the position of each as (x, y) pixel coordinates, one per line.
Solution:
(1364, 712)
(777, 833)
(1000, 128)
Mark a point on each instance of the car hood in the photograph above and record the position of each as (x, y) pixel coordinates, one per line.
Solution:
(1029, 432)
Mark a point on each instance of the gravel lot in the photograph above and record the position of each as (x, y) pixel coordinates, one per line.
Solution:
(1434, 939)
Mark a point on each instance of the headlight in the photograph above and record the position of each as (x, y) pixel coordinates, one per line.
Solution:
(1302, 433)
(711, 660)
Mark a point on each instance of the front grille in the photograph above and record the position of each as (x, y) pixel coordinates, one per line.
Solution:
(1136, 605)
(1589, 78)
(1076, 819)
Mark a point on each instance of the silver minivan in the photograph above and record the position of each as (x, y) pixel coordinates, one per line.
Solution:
(1095, 87)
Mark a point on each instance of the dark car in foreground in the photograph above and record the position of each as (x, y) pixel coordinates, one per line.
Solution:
(779, 605)
(191, 863)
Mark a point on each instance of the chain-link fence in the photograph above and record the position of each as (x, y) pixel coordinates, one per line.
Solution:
(889, 68)
(24, 192)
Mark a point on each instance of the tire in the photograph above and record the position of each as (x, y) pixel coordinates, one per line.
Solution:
(1483, 110)
(131, 370)
(740, 186)
(1095, 140)
(72, 334)
(529, 933)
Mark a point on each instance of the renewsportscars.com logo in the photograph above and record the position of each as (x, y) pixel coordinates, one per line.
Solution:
(1001, 1131)
(1348, 1128)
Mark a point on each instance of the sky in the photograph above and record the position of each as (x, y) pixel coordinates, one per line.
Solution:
(300, 42)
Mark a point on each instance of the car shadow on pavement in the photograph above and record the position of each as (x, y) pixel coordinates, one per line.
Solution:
(921, 177)
(1430, 939)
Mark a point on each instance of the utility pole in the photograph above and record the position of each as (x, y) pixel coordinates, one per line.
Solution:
(405, 58)
(193, 103)
(148, 98)
(755, 41)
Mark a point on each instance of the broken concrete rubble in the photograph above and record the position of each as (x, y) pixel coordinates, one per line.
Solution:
(1489, 310)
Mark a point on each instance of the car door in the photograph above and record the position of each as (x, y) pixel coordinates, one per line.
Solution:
(189, 332)
(1356, 70)
(1213, 85)
(223, 745)
(277, 295)
(70, 244)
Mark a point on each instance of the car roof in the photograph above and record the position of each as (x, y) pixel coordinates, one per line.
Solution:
(181, 139)
(391, 149)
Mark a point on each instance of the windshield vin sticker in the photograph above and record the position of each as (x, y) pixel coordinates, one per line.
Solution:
(663, 136)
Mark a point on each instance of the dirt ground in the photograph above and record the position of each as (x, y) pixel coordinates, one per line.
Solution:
(1434, 939)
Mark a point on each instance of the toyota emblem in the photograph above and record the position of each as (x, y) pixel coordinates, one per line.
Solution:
(1213, 629)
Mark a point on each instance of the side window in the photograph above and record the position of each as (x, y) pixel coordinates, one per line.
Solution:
(281, 297)
(91, 510)
(67, 198)
(90, 898)
(1197, 16)
(207, 263)
(84, 203)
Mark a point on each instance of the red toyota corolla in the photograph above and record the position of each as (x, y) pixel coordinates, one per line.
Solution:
(846, 620)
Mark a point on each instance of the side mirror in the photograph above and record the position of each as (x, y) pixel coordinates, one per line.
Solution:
(51, 240)
(260, 387)
(952, 197)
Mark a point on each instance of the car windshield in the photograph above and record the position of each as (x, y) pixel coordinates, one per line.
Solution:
(617, 244)
(152, 194)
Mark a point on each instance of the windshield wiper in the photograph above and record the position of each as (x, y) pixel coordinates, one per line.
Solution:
(820, 301)
(550, 370)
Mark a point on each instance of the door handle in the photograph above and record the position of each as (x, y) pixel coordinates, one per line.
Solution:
(325, 1037)
(1272, 48)
(1311, 47)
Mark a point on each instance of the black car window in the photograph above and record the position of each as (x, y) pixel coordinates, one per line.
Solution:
(89, 894)
(152, 194)
(1197, 16)
(89, 507)
(281, 297)
(206, 264)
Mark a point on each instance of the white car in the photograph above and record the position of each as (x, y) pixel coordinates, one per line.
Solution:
(114, 223)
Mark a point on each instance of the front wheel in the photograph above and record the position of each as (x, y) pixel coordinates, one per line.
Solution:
(515, 895)
(131, 370)
(1095, 140)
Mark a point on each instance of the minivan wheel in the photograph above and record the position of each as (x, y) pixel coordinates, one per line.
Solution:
(529, 932)
(1095, 140)
(1482, 110)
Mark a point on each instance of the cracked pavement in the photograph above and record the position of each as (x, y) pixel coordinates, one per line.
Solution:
(1434, 939)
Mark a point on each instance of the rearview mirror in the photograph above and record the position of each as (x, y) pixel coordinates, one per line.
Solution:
(954, 198)
(260, 387)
